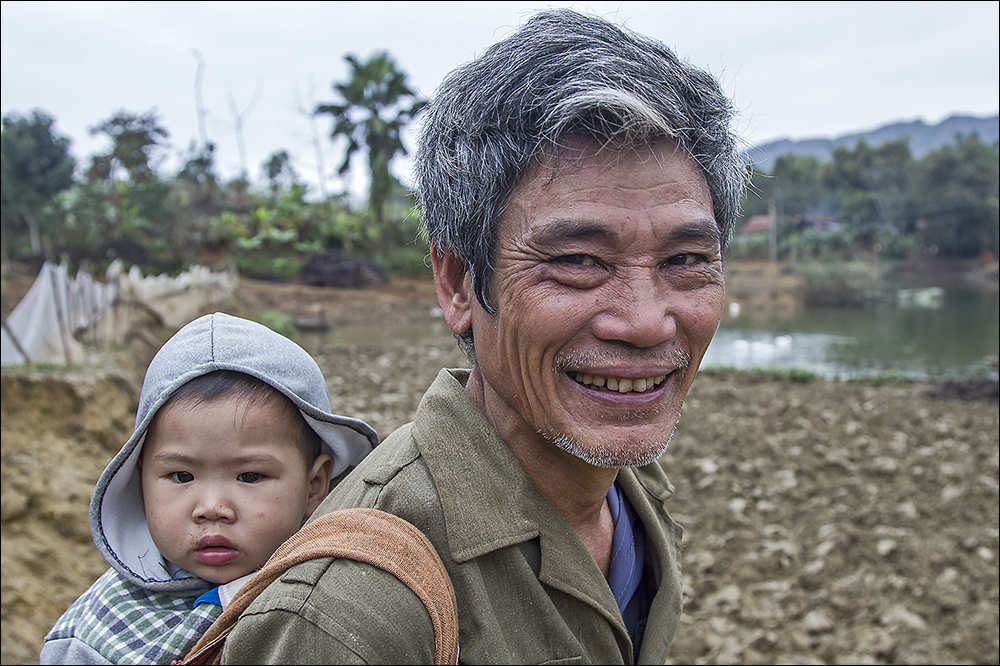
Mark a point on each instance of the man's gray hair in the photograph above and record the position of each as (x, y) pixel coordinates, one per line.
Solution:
(563, 75)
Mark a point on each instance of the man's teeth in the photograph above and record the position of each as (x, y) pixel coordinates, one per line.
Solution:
(620, 385)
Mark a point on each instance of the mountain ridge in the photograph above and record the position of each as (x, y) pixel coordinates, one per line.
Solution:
(923, 138)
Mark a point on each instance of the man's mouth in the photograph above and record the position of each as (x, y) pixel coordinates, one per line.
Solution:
(619, 384)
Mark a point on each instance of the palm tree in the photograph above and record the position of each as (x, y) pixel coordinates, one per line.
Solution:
(376, 103)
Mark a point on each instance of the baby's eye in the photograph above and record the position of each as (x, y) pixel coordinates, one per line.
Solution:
(250, 477)
(181, 477)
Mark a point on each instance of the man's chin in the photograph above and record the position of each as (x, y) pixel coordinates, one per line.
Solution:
(614, 454)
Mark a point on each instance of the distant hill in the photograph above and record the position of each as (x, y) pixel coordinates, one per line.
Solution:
(923, 139)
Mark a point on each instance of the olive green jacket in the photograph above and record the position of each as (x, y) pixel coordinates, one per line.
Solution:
(528, 590)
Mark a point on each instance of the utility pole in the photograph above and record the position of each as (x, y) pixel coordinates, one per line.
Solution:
(772, 232)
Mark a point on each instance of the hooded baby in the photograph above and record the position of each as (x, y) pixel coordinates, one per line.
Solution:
(234, 447)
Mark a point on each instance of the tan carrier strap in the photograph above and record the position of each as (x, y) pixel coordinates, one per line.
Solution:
(378, 538)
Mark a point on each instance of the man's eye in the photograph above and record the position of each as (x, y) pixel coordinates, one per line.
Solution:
(181, 477)
(250, 477)
(578, 259)
(683, 259)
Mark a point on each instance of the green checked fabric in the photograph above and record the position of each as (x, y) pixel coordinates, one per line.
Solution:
(126, 624)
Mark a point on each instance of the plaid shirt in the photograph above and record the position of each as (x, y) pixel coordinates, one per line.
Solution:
(127, 624)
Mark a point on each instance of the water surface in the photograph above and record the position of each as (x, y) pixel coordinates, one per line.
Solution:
(942, 332)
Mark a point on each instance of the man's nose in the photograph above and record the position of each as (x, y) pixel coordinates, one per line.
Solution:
(639, 313)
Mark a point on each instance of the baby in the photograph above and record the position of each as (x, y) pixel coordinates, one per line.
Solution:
(234, 447)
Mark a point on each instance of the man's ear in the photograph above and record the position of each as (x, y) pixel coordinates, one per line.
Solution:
(454, 289)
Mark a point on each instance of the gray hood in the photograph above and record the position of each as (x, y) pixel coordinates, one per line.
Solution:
(213, 342)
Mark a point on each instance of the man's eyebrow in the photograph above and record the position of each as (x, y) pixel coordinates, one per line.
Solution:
(563, 228)
(700, 230)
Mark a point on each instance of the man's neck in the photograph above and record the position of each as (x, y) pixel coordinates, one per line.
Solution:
(576, 488)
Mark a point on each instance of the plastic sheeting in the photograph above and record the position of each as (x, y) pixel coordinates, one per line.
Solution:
(59, 310)
(40, 329)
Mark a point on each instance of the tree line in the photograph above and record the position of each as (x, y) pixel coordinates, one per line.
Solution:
(880, 201)
(866, 201)
(120, 203)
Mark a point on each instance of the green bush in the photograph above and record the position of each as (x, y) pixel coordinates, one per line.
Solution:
(277, 321)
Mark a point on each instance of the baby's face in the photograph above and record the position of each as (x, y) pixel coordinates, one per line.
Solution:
(224, 485)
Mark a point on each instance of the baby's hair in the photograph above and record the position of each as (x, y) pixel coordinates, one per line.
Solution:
(252, 392)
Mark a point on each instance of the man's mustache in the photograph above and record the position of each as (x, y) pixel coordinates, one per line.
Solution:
(669, 357)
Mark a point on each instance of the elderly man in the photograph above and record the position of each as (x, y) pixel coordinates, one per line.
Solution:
(578, 183)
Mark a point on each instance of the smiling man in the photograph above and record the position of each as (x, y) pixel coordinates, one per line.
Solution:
(578, 183)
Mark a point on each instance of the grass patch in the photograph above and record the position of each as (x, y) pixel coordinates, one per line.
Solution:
(277, 321)
(797, 375)
(776, 374)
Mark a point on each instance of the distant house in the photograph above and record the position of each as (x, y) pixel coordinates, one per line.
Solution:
(761, 224)
(758, 224)
(824, 224)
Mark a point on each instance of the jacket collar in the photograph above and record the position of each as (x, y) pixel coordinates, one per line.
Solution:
(490, 502)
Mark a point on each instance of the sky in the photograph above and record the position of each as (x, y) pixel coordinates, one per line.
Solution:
(794, 69)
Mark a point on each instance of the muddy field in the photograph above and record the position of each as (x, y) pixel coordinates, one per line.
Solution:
(826, 521)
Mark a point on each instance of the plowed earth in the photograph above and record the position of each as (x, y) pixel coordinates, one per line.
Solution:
(826, 521)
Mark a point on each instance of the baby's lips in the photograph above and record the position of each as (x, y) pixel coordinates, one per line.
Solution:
(214, 541)
(216, 550)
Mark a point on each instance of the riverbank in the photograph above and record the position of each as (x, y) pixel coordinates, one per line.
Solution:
(761, 286)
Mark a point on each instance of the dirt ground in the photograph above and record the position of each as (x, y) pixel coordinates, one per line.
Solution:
(826, 521)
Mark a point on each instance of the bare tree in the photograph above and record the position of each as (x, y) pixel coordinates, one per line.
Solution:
(309, 113)
(198, 102)
(238, 119)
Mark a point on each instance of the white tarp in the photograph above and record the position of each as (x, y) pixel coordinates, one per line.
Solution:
(45, 325)
(39, 327)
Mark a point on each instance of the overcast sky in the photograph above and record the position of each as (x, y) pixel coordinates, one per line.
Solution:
(794, 69)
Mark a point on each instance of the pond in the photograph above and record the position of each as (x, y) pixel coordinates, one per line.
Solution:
(920, 333)
(923, 333)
